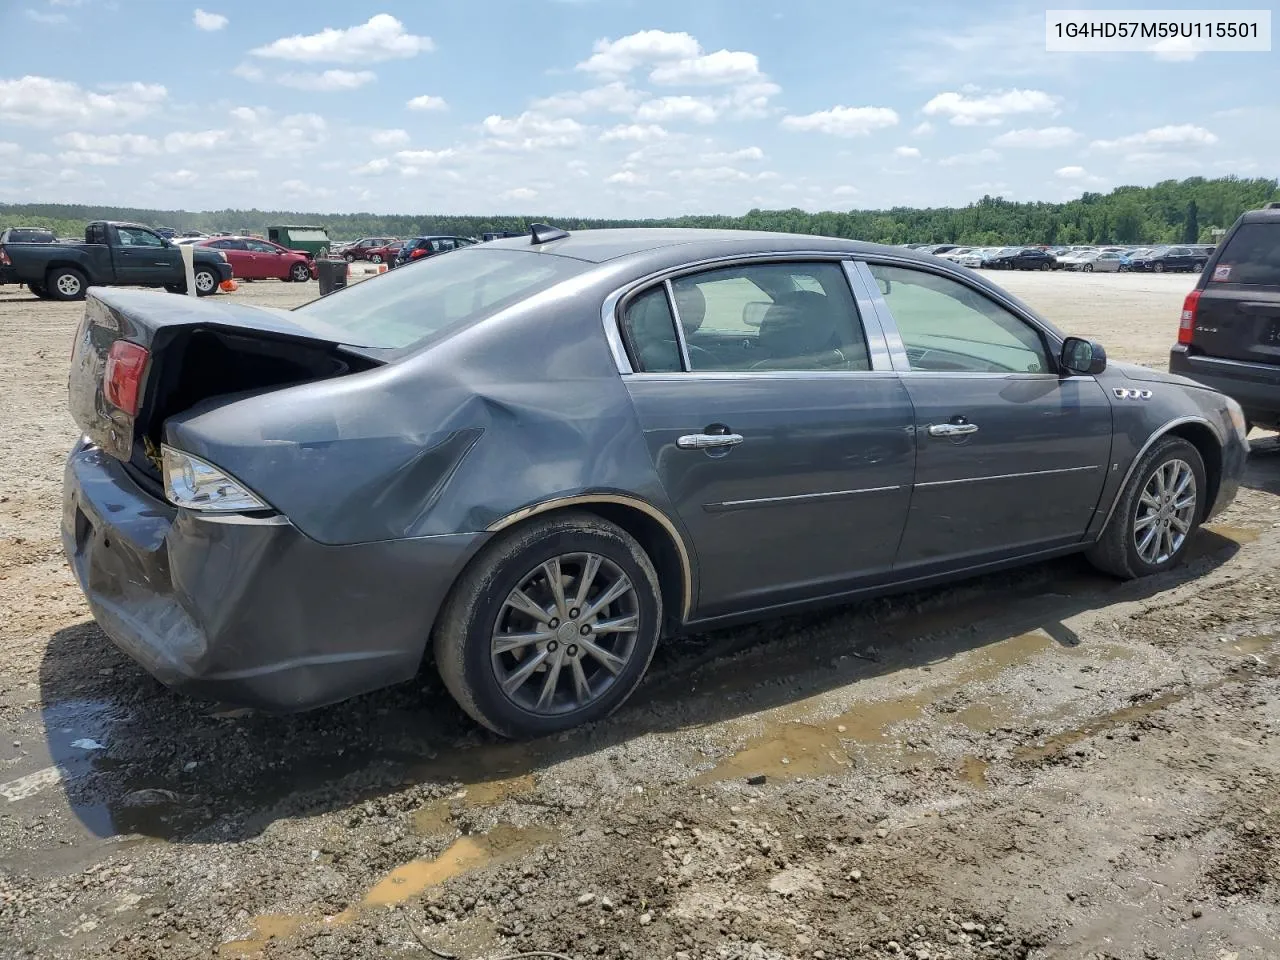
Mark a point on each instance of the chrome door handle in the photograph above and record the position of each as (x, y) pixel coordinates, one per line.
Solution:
(704, 441)
(952, 429)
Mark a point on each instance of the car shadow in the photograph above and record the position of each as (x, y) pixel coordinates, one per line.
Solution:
(191, 772)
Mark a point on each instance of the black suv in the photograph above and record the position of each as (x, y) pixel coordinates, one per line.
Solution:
(1170, 258)
(1229, 337)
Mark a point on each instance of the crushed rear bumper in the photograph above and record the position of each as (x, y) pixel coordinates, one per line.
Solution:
(248, 611)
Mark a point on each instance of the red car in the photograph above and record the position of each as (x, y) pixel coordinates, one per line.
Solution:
(384, 254)
(254, 259)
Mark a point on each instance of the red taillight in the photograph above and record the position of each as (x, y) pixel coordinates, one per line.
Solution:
(123, 376)
(4, 259)
(1187, 324)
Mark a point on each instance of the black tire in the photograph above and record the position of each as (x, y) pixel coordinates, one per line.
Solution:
(464, 630)
(349, 258)
(66, 284)
(206, 281)
(38, 290)
(1116, 551)
(1088, 268)
(176, 287)
(299, 273)
(1158, 268)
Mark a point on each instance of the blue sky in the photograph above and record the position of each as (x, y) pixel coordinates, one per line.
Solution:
(599, 107)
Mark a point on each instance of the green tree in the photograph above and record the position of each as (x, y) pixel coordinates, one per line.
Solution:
(1191, 223)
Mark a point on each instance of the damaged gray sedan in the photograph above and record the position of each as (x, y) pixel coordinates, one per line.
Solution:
(530, 460)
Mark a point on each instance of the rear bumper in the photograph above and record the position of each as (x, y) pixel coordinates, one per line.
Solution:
(1255, 386)
(249, 613)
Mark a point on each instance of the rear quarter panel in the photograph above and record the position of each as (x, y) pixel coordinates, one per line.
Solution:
(524, 407)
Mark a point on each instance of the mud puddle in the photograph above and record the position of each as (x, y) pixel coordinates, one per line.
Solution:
(1054, 745)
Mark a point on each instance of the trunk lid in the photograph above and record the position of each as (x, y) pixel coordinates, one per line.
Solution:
(197, 350)
(1238, 313)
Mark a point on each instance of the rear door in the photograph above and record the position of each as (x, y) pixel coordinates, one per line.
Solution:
(243, 265)
(1011, 457)
(142, 257)
(777, 429)
(1238, 314)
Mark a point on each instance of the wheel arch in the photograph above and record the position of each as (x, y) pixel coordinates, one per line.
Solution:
(651, 528)
(1201, 436)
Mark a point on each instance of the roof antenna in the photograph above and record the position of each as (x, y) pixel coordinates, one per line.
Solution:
(545, 233)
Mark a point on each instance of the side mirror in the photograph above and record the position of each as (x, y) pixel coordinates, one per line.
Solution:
(1082, 357)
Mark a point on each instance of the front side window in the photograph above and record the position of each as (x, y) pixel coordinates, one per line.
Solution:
(259, 246)
(133, 237)
(948, 326)
(771, 316)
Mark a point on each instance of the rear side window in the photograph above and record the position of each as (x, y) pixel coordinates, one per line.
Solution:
(403, 307)
(1252, 255)
(650, 331)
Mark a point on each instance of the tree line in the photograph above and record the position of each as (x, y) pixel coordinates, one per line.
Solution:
(1172, 211)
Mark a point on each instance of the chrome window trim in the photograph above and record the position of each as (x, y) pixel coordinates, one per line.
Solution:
(679, 331)
(1008, 476)
(1156, 434)
(764, 375)
(726, 505)
(677, 540)
(869, 317)
(609, 309)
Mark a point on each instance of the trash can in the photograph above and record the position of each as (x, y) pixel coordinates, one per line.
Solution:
(332, 275)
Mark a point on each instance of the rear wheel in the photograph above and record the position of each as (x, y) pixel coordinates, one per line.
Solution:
(39, 290)
(206, 281)
(299, 273)
(1156, 514)
(550, 627)
(66, 283)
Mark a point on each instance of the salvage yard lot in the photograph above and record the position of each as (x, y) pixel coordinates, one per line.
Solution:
(1044, 763)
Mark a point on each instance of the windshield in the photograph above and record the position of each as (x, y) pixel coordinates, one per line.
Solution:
(421, 299)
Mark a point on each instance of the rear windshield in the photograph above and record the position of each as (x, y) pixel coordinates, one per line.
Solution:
(423, 298)
(27, 235)
(1252, 255)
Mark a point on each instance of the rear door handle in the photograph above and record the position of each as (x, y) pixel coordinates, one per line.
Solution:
(705, 441)
(952, 429)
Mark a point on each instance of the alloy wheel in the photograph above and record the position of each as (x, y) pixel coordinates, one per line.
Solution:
(565, 633)
(69, 285)
(1166, 509)
(205, 282)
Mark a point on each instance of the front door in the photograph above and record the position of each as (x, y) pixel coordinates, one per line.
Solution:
(787, 457)
(1011, 457)
(143, 257)
(269, 261)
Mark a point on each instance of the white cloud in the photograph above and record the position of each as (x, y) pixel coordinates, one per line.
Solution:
(1041, 139)
(845, 191)
(300, 188)
(110, 143)
(922, 129)
(238, 174)
(209, 21)
(966, 110)
(614, 97)
(520, 193)
(733, 156)
(843, 121)
(629, 177)
(985, 155)
(721, 174)
(1071, 173)
(373, 168)
(247, 71)
(390, 138)
(45, 102)
(428, 103)
(751, 100)
(647, 46)
(249, 114)
(329, 80)
(911, 153)
(8, 149)
(39, 16)
(723, 66)
(1175, 49)
(177, 178)
(532, 131)
(675, 109)
(382, 37)
(1173, 136)
(424, 157)
(637, 132)
(181, 140)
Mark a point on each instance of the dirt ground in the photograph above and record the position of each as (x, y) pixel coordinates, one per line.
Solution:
(1040, 764)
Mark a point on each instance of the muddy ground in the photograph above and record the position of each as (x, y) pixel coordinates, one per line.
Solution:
(1038, 764)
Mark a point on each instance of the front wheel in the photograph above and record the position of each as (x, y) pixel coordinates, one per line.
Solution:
(550, 627)
(206, 282)
(1088, 268)
(375, 258)
(1158, 268)
(350, 258)
(1156, 514)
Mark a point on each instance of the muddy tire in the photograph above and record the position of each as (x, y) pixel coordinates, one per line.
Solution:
(66, 283)
(551, 626)
(1157, 513)
(206, 282)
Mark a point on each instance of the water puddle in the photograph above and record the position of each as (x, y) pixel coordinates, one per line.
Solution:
(1240, 535)
(266, 927)
(1252, 645)
(437, 816)
(973, 771)
(983, 717)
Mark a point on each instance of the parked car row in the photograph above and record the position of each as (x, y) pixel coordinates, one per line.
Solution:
(1086, 259)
